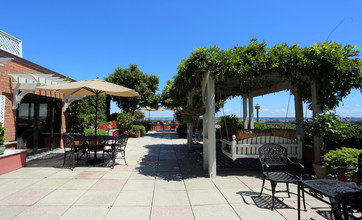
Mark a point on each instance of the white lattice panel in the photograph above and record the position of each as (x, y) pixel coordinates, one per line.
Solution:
(10, 44)
(2, 109)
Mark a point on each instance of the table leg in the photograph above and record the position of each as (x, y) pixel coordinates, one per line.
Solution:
(298, 200)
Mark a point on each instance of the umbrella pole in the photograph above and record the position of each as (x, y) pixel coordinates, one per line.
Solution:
(96, 123)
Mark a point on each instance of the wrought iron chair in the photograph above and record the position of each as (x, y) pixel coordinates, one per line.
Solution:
(116, 133)
(351, 202)
(69, 148)
(123, 146)
(276, 168)
(80, 147)
(118, 146)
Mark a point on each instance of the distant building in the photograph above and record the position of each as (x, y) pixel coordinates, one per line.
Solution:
(34, 119)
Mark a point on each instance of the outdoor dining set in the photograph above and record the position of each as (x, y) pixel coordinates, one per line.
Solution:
(345, 198)
(77, 145)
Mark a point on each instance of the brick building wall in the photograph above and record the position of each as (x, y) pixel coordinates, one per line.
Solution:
(20, 66)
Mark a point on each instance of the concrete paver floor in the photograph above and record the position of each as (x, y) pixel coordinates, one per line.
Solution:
(163, 180)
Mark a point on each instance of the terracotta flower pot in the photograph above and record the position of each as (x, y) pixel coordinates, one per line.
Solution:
(320, 171)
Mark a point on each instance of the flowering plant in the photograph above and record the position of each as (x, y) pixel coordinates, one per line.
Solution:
(104, 125)
(179, 115)
(125, 121)
(191, 114)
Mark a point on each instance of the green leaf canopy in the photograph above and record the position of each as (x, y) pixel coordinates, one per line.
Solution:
(244, 69)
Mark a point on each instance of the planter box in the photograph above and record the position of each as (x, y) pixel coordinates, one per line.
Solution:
(134, 135)
(12, 160)
(156, 127)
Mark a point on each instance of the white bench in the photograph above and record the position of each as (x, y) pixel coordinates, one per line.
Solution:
(248, 148)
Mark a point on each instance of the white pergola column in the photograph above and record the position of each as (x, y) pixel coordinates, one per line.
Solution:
(205, 123)
(211, 127)
(245, 111)
(208, 85)
(251, 113)
(298, 103)
(189, 125)
(318, 142)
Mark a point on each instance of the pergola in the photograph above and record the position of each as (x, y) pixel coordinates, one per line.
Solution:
(318, 74)
(26, 83)
(210, 90)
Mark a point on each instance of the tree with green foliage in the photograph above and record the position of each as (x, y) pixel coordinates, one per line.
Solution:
(133, 78)
(139, 115)
(2, 133)
(82, 113)
(169, 96)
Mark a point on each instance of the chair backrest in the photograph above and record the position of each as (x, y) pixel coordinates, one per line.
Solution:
(351, 204)
(123, 140)
(273, 154)
(116, 133)
(68, 141)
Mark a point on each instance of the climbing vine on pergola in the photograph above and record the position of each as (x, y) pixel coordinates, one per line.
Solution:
(336, 69)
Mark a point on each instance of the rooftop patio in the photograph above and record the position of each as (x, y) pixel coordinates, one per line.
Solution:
(163, 180)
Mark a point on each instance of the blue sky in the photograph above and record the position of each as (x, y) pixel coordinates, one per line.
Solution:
(89, 39)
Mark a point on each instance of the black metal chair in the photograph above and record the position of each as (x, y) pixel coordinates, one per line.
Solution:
(351, 202)
(119, 145)
(82, 148)
(122, 148)
(276, 168)
(116, 133)
(69, 148)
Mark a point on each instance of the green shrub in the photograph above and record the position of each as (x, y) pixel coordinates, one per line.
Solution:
(91, 132)
(346, 157)
(229, 120)
(2, 134)
(182, 130)
(143, 131)
(137, 123)
(138, 129)
(259, 125)
(329, 126)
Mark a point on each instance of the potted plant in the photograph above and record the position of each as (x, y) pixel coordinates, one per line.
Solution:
(2, 138)
(343, 157)
(230, 125)
(331, 128)
(125, 122)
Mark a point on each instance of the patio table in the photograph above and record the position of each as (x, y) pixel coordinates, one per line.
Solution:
(331, 188)
(101, 138)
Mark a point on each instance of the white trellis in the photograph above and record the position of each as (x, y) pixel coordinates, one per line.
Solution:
(11, 44)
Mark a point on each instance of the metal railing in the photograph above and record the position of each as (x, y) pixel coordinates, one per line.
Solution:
(11, 44)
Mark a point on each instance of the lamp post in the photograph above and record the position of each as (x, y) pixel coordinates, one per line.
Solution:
(257, 107)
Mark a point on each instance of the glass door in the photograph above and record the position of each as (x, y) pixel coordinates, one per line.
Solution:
(38, 123)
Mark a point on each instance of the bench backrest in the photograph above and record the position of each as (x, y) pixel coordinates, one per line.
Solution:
(267, 139)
